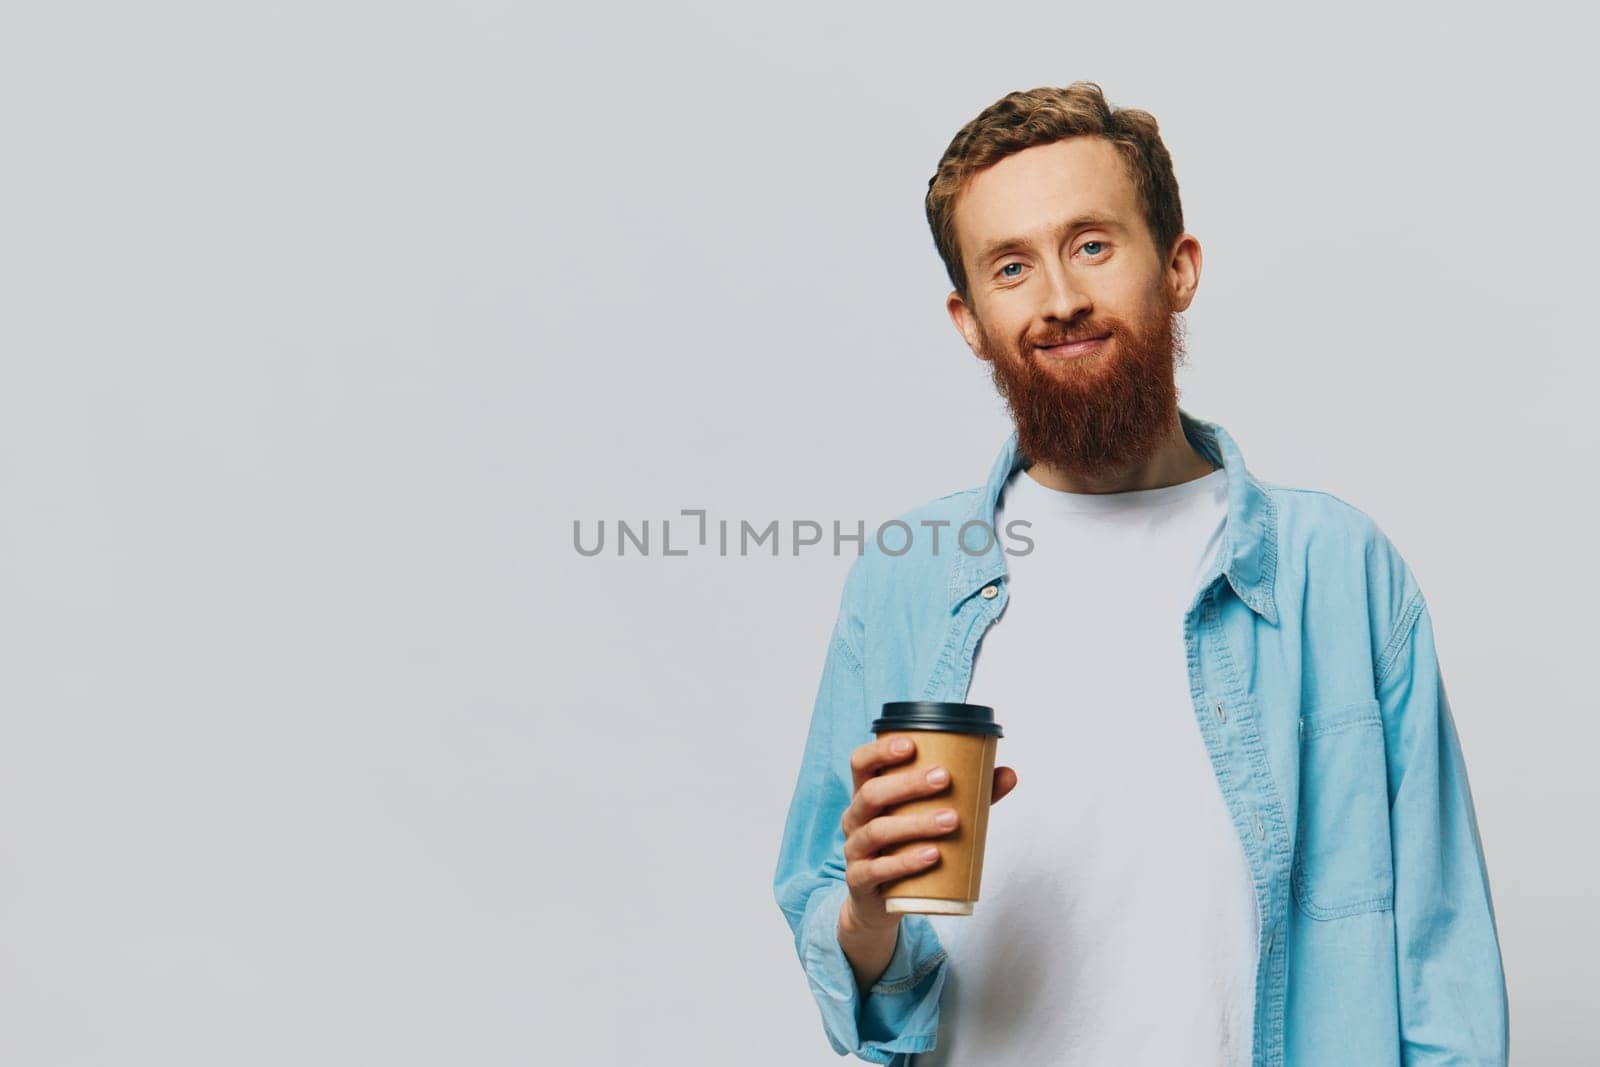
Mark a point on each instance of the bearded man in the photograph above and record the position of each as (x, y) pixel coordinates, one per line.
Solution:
(1241, 830)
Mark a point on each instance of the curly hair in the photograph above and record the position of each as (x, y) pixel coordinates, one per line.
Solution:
(1045, 115)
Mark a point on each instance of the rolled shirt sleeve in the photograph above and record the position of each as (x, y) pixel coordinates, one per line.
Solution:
(899, 1014)
(1453, 1005)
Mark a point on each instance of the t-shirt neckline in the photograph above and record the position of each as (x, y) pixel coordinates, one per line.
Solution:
(1023, 488)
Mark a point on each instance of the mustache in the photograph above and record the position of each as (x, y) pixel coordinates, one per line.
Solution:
(1052, 340)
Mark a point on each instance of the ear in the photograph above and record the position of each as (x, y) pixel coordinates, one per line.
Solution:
(1183, 271)
(966, 324)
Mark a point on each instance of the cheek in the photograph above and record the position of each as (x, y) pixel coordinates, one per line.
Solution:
(1008, 316)
(1123, 293)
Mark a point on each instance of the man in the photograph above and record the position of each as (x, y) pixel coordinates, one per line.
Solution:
(1242, 831)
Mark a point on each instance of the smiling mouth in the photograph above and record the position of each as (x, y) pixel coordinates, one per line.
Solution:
(1074, 348)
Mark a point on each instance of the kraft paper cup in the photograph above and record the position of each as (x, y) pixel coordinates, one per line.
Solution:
(962, 738)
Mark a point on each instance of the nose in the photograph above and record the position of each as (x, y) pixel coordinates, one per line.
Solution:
(1064, 299)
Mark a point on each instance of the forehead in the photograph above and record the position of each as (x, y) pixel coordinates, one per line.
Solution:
(1024, 195)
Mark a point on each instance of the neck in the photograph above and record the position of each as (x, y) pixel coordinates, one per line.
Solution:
(1172, 462)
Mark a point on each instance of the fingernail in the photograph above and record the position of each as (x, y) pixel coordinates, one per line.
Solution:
(901, 746)
(928, 854)
(945, 819)
(938, 776)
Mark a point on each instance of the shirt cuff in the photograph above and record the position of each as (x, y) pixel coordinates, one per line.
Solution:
(901, 1011)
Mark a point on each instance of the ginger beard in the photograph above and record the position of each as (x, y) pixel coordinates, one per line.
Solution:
(1097, 415)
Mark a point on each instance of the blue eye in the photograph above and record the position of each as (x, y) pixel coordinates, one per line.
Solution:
(1007, 267)
(1086, 245)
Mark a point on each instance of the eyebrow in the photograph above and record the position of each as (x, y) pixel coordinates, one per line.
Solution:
(1002, 245)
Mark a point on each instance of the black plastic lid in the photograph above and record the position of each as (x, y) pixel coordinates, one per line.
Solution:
(947, 716)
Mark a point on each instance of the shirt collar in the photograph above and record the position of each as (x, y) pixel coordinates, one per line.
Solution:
(1249, 549)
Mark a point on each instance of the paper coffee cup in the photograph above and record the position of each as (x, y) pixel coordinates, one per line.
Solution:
(962, 738)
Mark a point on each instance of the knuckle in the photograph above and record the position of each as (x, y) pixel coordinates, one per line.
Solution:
(860, 757)
(855, 875)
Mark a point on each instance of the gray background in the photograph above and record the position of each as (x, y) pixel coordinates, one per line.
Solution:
(320, 744)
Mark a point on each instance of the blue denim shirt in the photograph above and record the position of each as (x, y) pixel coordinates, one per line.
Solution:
(1317, 690)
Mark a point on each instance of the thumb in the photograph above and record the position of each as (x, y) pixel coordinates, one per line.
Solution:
(1005, 780)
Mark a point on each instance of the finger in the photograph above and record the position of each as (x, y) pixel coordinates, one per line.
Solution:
(1005, 780)
(879, 794)
(865, 875)
(868, 759)
(888, 830)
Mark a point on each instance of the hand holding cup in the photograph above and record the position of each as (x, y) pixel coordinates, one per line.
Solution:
(872, 826)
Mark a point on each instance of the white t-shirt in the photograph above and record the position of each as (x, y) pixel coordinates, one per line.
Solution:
(1117, 920)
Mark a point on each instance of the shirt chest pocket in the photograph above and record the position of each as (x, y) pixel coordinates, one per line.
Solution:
(1342, 861)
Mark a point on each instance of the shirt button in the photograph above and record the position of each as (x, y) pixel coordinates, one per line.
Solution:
(1261, 829)
(1222, 714)
(989, 592)
(1270, 934)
